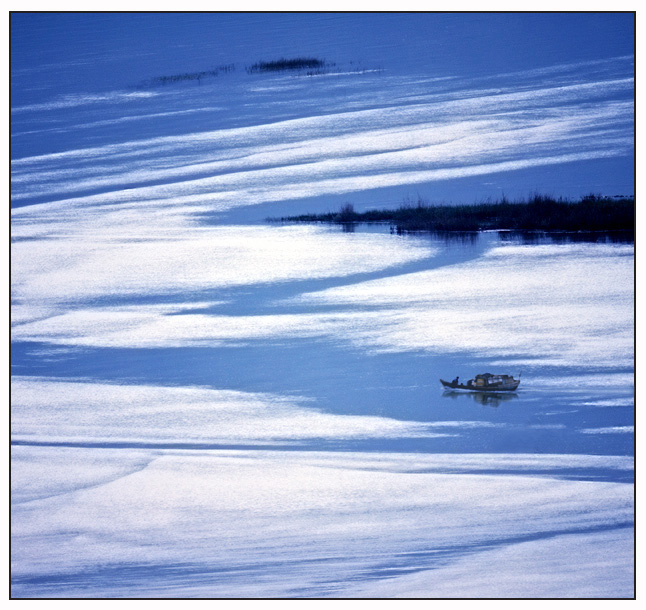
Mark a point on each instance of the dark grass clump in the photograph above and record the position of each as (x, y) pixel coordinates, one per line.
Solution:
(191, 76)
(308, 65)
(539, 213)
(311, 64)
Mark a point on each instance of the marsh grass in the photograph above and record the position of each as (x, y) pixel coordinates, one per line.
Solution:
(191, 76)
(538, 213)
(313, 65)
(307, 65)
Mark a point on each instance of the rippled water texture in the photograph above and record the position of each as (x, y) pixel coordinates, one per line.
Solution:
(208, 404)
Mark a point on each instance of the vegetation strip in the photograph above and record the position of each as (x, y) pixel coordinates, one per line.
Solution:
(279, 65)
(540, 213)
(312, 65)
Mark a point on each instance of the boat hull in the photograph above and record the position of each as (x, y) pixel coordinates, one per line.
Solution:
(508, 387)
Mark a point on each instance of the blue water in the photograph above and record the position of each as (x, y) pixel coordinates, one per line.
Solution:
(62, 60)
(209, 404)
(345, 380)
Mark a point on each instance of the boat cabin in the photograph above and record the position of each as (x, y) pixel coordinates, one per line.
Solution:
(487, 379)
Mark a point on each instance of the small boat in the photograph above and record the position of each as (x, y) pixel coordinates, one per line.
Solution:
(484, 383)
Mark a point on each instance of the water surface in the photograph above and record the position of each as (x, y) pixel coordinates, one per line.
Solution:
(206, 404)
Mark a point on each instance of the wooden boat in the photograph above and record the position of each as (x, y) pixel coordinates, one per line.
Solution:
(484, 383)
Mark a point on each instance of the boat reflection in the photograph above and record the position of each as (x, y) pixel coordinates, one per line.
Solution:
(490, 399)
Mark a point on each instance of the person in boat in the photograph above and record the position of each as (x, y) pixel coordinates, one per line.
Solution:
(456, 380)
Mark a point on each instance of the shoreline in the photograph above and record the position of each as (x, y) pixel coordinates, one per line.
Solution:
(590, 214)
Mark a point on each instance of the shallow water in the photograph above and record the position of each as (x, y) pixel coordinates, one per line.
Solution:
(106, 390)
(207, 404)
(363, 343)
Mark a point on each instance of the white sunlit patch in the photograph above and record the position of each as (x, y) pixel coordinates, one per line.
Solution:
(406, 148)
(523, 569)
(610, 430)
(607, 382)
(344, 151)
(146, 326)
(51, 471)
(256, 186)
(72, 101)
(75, 411)
(239, 512)
(489, 306)
(120, 257)
(471, 306)
(610, 402)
